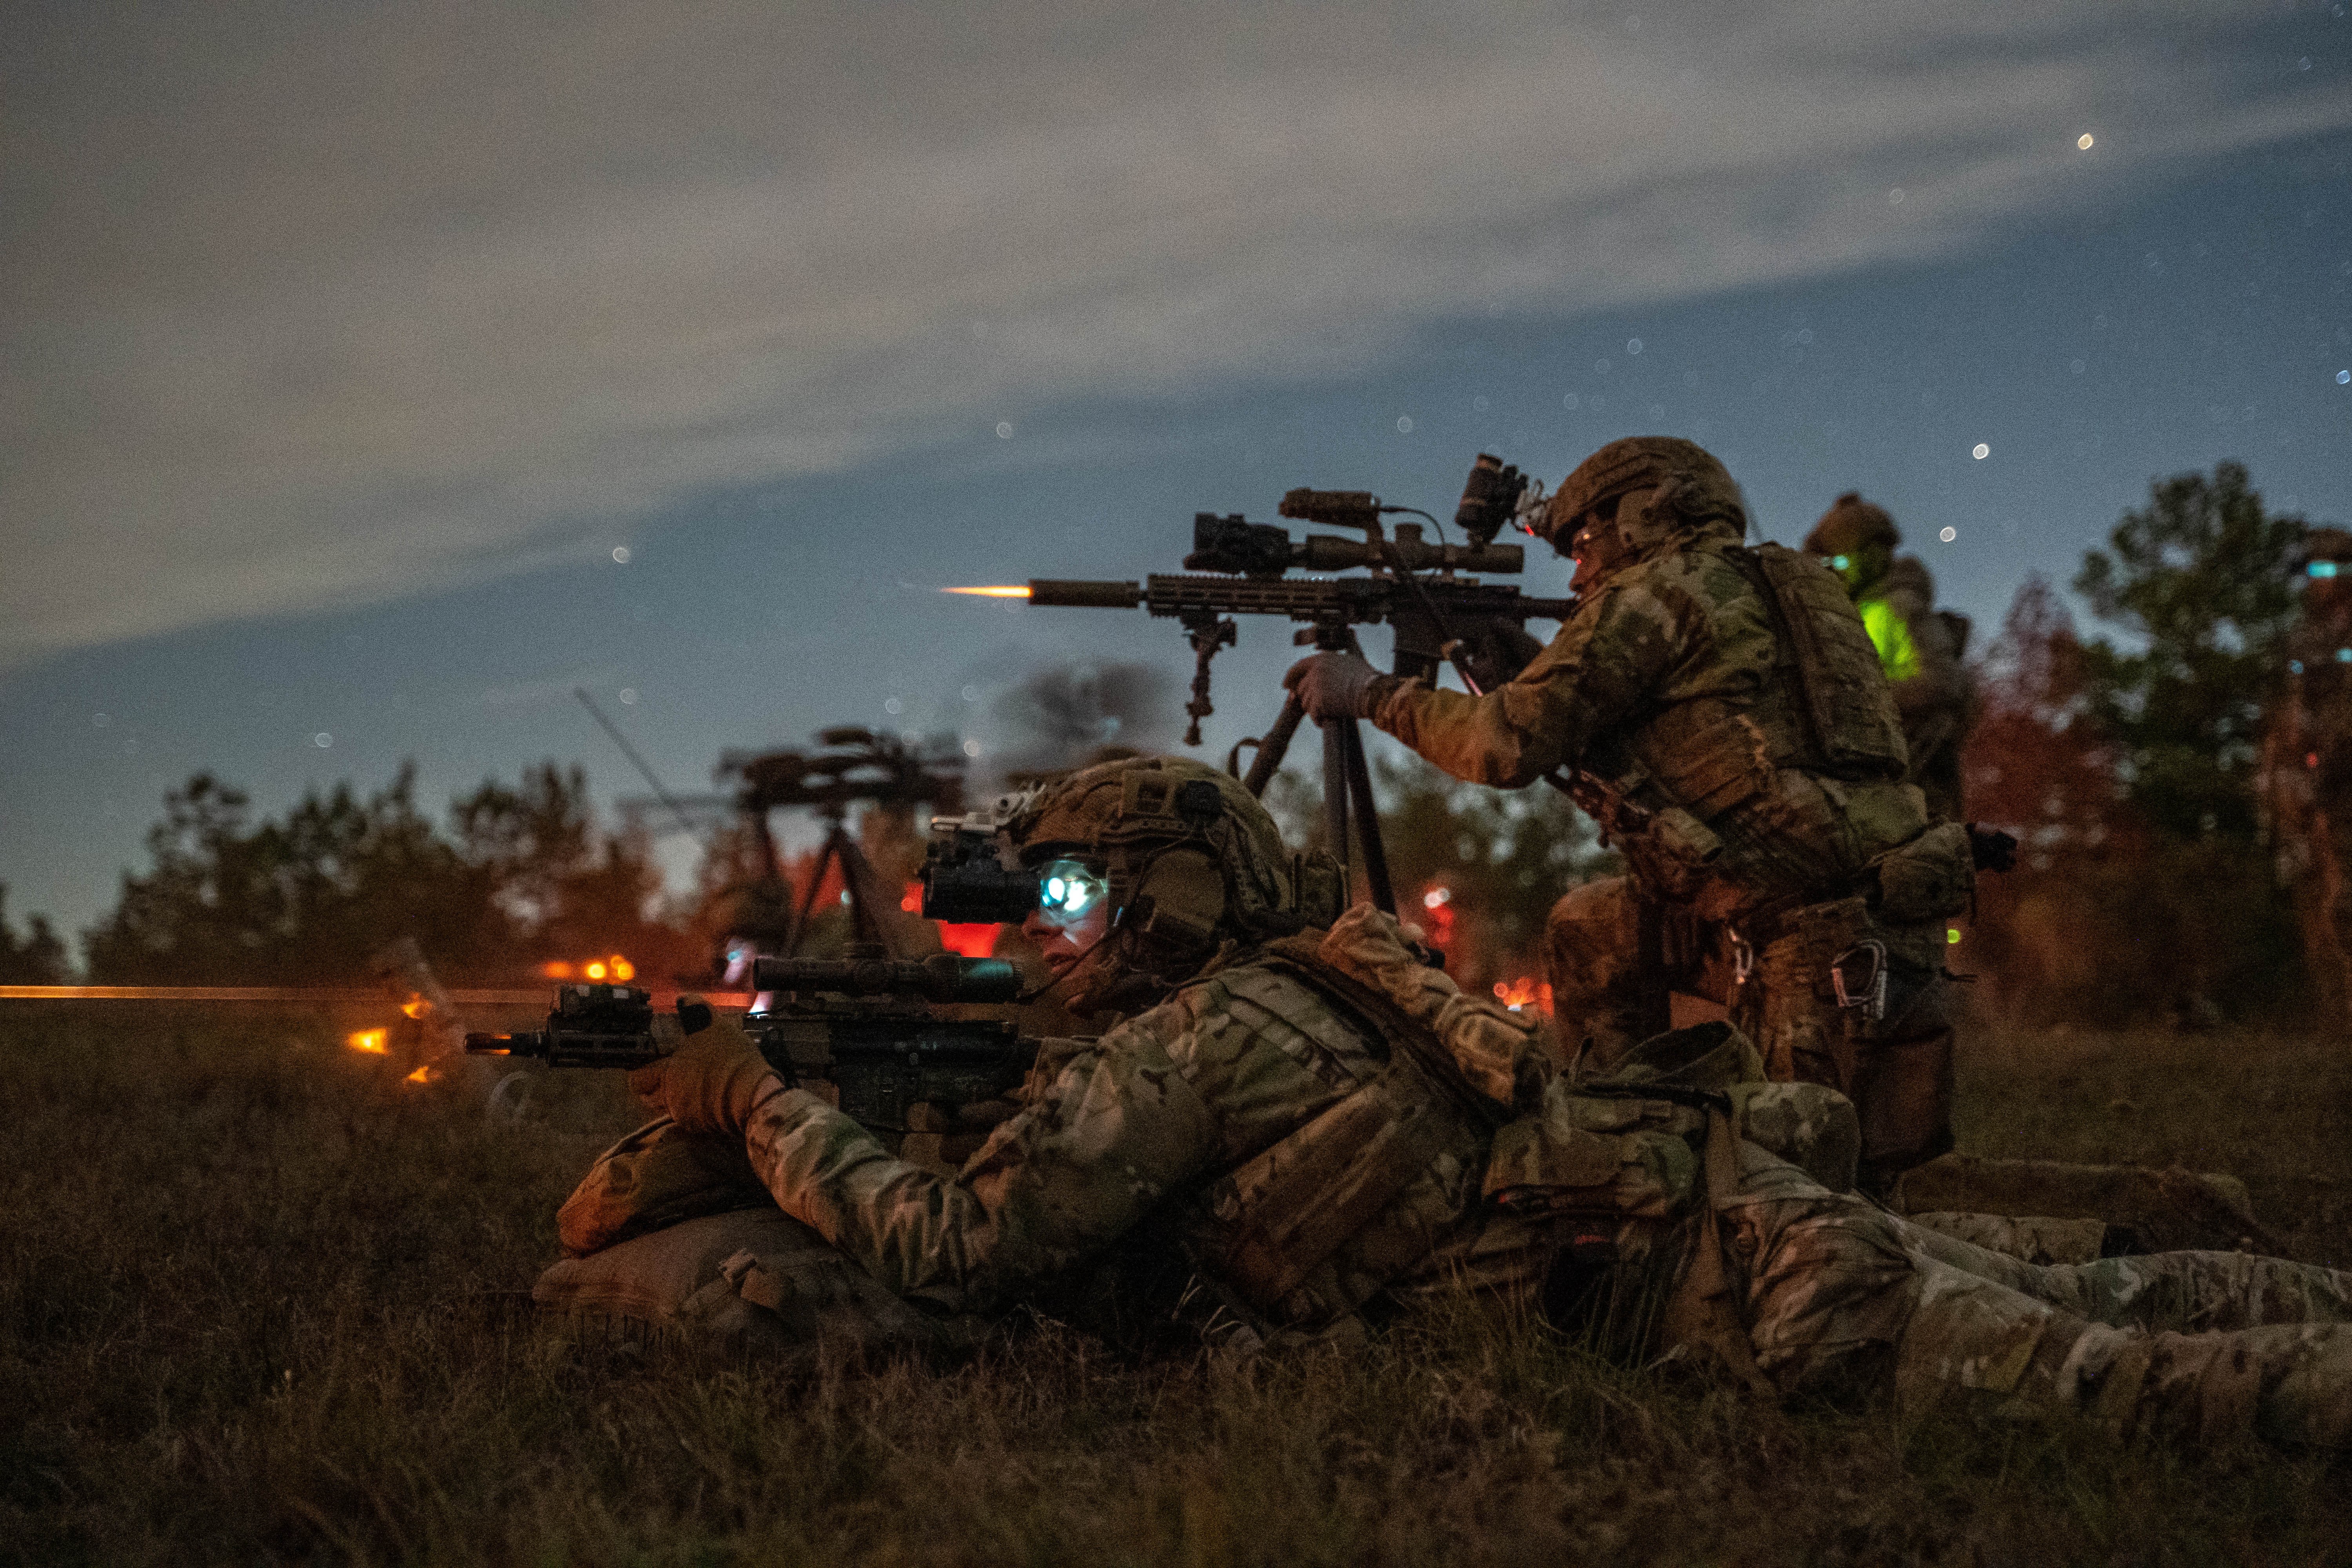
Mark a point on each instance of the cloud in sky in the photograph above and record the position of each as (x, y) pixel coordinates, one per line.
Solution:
(308, 306)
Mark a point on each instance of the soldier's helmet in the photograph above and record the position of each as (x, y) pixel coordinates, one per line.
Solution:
(1853, 525)
(2326, 554)
(1693, 490)
(1186, 858)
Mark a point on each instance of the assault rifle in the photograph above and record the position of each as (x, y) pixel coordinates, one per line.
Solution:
(862, 1026)
(1239, 568)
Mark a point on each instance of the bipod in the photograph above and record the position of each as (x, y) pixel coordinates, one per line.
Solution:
(858, 879)
(1346, 777)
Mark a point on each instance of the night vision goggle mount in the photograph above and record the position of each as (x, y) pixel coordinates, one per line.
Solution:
(971, 874)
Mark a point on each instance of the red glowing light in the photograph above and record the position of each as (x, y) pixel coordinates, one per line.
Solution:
(970, 941)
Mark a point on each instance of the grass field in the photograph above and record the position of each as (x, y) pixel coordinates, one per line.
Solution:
(257, 1305)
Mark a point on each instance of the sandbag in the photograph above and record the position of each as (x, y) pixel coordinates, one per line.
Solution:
(754, 1280)
(654, 1178)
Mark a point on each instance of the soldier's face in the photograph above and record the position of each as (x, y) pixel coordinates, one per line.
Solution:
(1064, 934)
(1597, 546)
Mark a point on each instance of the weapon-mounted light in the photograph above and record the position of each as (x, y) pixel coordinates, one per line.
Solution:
(999, 592)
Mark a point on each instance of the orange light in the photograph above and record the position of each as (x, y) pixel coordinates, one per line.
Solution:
(970, 941)
(421, 1075)
(596, 970)
(558, 971)
(1003, 591)
(622, 969)
(415, 1008)
(1524, 992)
(376, 1042)
(911, 901)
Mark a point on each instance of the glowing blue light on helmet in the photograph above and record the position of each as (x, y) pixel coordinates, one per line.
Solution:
(2321, 569)
(1068, 889)
(1840, 563)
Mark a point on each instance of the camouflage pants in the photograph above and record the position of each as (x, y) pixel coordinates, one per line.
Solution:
(2203, 1345)
(1897, 1068)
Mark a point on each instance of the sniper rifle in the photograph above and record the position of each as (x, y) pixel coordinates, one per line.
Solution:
(1239, 568)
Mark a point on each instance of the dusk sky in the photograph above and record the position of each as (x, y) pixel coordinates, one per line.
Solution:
(372, 376)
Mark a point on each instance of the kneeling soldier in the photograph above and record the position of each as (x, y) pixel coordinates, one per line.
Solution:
(1724, 715)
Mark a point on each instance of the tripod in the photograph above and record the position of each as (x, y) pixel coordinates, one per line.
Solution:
(858, 879)
(1348, 802)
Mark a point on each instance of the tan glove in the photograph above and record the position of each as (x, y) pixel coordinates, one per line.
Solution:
(710, 1084)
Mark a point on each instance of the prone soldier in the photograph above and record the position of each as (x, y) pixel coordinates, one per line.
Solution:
(2306, 773)
(1919, 646)
(1724, 714)
(1323, 1130)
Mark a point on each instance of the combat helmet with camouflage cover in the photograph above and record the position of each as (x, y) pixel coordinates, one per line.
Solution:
(1694, 493)
(1192, 863)
(1851, 524)
(1858, 539)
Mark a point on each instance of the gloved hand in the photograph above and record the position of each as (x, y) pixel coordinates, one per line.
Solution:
(710, 1084)
(1333, 686)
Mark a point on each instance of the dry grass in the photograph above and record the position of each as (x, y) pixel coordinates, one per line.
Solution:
(256, 1306)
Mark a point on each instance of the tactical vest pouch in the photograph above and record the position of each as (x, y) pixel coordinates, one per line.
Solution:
(1931, 877)
(1853, 724)
(1288, 1211)
(1455, 1064)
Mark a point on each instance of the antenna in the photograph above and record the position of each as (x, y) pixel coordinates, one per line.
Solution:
(630, 752)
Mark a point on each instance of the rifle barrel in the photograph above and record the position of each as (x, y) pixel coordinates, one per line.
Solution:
(1073, 594)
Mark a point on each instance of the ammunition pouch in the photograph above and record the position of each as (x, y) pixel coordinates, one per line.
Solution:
(1672, 854)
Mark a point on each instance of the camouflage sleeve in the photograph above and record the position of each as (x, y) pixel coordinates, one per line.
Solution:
(1119, 1127)
(1616, 649)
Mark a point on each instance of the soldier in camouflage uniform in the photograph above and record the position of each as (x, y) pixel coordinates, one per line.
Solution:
(2306, 774)
(1919, 646)
(1329, 1130)
(1722, 711)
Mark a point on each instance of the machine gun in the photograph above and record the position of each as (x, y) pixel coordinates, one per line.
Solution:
(1239, 568)
(862, 1027)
